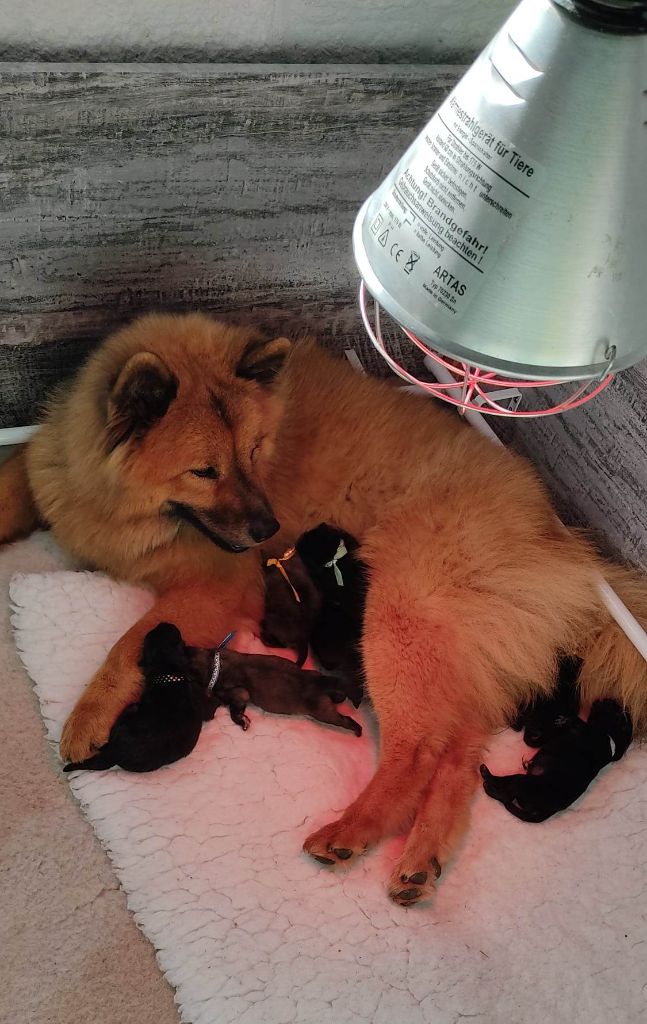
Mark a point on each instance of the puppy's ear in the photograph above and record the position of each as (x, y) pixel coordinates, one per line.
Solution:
(262, 360)
(139, 398)
(160, 642)
(165, 634)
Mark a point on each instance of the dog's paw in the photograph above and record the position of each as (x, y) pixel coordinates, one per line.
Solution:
(413, 883)
(86, 730)
(335, 845)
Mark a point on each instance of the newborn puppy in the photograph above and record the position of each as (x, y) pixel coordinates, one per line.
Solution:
(540, 719)
(342, 582)
(279, 686)
(291, 604)
(164, 726)
(564, 768)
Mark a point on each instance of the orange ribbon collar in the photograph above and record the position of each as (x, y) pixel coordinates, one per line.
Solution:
(278, 564)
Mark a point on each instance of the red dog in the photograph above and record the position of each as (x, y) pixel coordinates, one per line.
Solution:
(181, 443)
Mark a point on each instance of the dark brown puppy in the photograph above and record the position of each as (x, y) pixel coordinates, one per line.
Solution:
(292, 603)
(279, 686)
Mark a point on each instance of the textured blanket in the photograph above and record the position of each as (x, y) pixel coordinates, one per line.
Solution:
(532, 923)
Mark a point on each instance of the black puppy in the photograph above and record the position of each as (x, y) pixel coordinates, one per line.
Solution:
(292, 603)
(544, 715)
(564, 768)
(281, 687)
(165, 725)
(341, 579)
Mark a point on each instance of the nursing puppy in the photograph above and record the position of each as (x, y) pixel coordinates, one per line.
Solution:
(165, 724)
(566, 764)
(341, 579)
(540, 719)
(292, 604)
(280, 687)
(182, 443)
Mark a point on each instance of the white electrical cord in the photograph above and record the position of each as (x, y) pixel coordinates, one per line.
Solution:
(16, 435)
(628, 623)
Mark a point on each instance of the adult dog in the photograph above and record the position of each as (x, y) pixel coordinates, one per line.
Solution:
(180, 444)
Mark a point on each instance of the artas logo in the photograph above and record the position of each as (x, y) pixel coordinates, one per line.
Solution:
(448, 279)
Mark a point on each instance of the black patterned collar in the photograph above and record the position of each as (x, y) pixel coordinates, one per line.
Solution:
(168, 677)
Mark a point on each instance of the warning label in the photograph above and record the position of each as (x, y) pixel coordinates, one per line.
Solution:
(454, 201)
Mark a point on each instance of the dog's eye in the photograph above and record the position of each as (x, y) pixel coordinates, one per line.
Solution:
(208, 473)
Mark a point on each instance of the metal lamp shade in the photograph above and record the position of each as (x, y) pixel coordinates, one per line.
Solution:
(512, 234)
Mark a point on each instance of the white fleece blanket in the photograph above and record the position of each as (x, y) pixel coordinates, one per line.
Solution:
(533, 924)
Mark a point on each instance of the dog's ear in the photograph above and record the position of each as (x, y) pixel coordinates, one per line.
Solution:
(139, 398)
(262, 360)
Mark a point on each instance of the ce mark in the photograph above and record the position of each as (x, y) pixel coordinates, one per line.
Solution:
(396, 252)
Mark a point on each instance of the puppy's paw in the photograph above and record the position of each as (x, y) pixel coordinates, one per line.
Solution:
(335, 845)
(413, 883)
(490, 782)
(86, 730)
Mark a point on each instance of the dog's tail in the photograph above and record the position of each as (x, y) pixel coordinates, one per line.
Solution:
(18, 513)
(612, 665)
(98, 763)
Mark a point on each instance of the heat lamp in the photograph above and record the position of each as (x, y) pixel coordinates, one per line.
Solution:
(509, 243)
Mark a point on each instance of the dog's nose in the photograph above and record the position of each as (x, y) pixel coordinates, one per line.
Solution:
(263, 527)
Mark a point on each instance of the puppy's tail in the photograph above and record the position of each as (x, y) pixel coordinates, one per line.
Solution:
(612, 665)
(18, 513)
(98, 763)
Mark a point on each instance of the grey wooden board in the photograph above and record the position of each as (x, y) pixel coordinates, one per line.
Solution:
(234, 188)
(127, 187)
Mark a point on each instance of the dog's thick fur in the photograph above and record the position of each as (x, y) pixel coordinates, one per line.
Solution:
(475, 587)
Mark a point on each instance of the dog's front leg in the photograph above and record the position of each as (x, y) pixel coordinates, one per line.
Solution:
(441, 819)
(412, 681)
(203, 614)
(406, 764)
